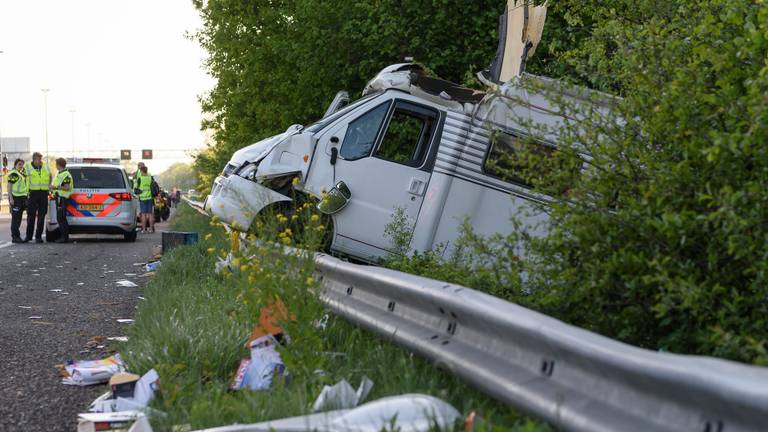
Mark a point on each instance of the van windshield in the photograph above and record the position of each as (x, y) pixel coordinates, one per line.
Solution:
(97, 178)
(338, 114)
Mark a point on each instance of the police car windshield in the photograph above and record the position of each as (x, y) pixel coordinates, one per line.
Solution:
(97, 178)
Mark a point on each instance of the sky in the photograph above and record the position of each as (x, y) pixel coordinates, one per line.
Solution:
(125, 68)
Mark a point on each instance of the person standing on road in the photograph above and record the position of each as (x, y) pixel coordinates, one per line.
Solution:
(143, 184)
(18, 186)
(62, 190)
(39, 177)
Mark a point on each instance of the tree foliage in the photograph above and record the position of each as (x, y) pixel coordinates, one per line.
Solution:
(661, 240)
(280, 62)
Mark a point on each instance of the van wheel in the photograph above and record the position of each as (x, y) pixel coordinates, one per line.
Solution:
(51, 236)
(130, 236)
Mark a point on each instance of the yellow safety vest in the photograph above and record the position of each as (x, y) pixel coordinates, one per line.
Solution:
(38, 178)
(145, 184)
(21, 187)
(60, 177)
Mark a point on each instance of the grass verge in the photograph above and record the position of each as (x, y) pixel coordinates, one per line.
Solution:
(194, 324)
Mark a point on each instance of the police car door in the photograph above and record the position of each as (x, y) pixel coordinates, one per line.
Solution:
(384, 161)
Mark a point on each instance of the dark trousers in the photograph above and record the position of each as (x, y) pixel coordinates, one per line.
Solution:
(61, 216)
(37, 208)
(17, 210)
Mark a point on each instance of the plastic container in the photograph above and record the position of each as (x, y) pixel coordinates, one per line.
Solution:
(171, 239)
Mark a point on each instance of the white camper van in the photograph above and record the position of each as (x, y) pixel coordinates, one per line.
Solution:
(412, 142)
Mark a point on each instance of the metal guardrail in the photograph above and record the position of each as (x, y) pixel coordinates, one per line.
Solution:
(575, 379)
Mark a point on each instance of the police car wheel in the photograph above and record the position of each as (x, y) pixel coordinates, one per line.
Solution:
(130, 237)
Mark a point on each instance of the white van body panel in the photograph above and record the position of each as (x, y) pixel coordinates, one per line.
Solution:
(449, 187)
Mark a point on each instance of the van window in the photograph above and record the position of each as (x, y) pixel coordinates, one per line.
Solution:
(408, 133)
(97, 178)
(361, 133)
(514, 160)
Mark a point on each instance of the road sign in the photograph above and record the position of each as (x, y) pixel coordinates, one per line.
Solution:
(146, 154)
(125, 155)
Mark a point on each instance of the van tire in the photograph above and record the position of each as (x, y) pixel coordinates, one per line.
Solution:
(130, 236)
(52, 236)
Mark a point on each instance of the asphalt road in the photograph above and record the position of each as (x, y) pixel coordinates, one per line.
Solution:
(32, 397)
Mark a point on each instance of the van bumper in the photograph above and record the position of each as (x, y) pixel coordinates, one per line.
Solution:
(236, 201)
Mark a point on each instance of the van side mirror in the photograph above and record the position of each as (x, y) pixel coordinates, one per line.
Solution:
(334, 155)
(335, 200)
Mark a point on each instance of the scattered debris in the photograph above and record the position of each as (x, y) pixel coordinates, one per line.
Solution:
(406, 413)
(342, 396)
(257, 373)
(148, 274)
(35, 317)
(140, 298)
(56, 290)
(112, 421)
(125, 320)
(88, 372)
(129, 274)
(126, 284)
(152, 266)
(25, 307)
(94, 342)
(80, 283)
(128, 392)
(118, 338)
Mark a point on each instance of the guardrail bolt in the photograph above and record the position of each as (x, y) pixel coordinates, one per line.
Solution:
(391, 306)
(547, 367)
(713, 426)
(349, 290)
(451, 327)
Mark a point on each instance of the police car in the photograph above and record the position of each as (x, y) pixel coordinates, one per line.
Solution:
(102, 202)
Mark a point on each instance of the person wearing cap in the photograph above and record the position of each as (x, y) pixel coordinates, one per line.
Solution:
(62, 190)
(39, 177)
(18, 186)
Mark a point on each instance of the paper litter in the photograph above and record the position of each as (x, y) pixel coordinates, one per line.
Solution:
(342, 396)
(257, 373)
(126, 284)
(88, 372)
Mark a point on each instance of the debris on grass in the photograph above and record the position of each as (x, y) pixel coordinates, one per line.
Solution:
(88, 372)
(258, 372)
(342, 396)
(406, 413)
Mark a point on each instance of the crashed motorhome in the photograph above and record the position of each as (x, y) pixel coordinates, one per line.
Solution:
(412, 142)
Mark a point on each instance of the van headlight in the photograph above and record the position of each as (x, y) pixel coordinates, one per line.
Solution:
(248, 171)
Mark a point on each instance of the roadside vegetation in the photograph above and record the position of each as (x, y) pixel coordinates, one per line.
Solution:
(194, 324)
(660, 241)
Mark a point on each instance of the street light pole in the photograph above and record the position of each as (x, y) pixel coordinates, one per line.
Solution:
(45, 105)
(72, 111)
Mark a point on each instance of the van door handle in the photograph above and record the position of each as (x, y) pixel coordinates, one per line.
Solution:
(416, 187)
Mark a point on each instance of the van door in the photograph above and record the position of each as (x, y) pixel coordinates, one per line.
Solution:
(384, 161)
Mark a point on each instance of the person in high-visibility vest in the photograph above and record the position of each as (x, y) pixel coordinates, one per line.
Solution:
(62, 190)
(39, 178)
(143, 186)
(18, 186)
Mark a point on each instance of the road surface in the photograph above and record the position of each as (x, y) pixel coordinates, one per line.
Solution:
(41, 327)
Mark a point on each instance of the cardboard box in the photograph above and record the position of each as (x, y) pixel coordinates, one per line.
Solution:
(123, 384)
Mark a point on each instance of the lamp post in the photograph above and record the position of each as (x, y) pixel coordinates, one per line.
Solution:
(72, 111)
(45, 108)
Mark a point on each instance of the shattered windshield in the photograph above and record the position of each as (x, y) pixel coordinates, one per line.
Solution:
(335, 116)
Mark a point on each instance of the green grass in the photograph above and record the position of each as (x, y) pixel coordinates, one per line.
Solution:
(193, 326)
